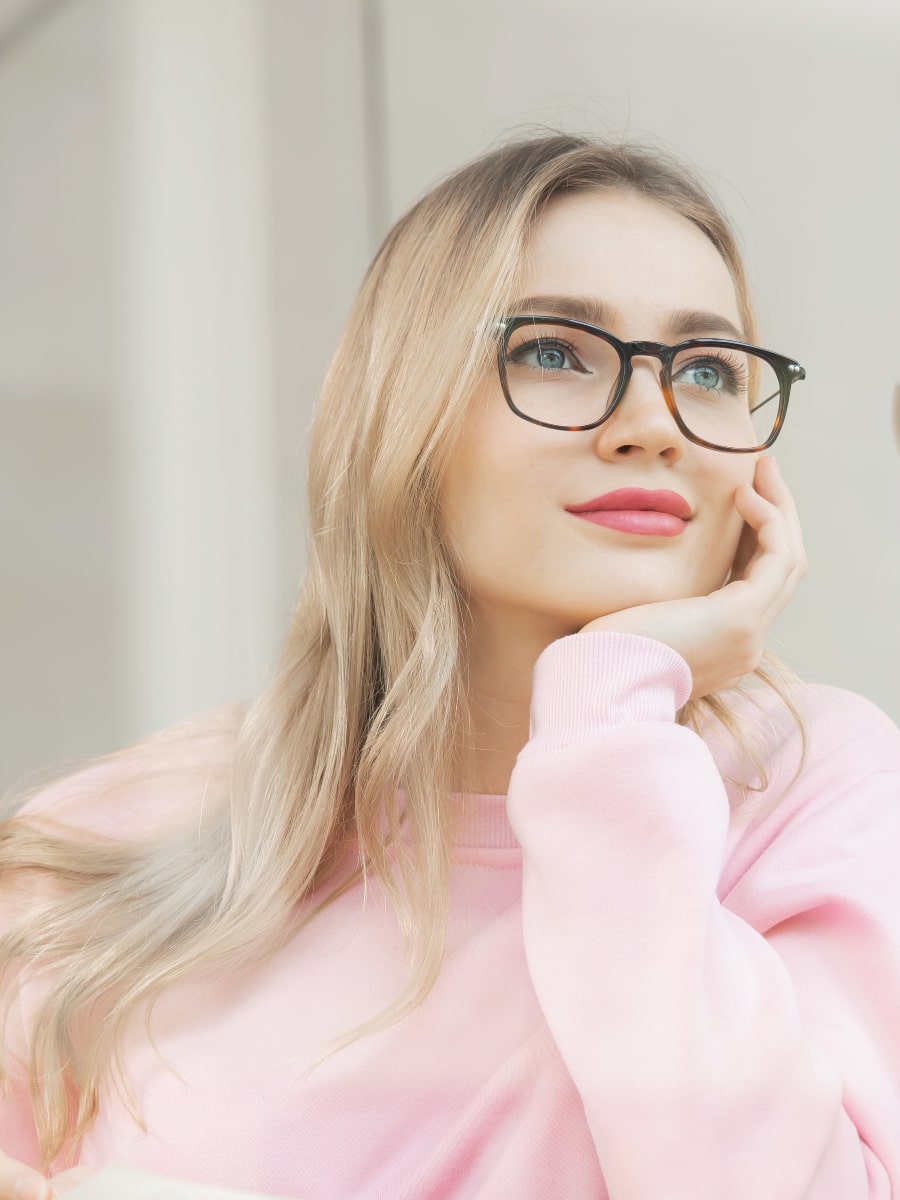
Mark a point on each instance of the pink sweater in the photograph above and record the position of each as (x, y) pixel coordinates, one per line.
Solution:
(643, 998)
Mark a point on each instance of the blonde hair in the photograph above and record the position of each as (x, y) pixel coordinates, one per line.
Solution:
(349, 744)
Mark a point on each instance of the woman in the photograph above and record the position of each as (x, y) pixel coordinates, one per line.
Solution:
(524, 878)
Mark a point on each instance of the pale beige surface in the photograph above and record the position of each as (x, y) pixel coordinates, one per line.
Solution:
(121, 1183)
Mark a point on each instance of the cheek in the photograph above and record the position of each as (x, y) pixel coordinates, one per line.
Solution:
(486, 519)
(483, 475)
(469, 499)
(495, 496)
(725, 525)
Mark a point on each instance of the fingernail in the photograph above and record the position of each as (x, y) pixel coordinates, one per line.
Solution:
(29, 1187)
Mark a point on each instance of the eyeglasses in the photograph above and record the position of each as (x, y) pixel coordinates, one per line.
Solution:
(569, 375)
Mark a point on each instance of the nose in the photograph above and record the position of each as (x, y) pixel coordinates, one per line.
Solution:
(642, 423)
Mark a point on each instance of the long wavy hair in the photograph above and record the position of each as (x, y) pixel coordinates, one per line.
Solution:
(363, 731)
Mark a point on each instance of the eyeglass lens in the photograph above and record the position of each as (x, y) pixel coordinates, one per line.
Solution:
(567, 377)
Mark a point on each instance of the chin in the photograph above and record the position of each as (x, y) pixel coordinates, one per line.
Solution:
(653, 593)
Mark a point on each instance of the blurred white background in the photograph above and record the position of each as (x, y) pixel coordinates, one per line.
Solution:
(189, 193)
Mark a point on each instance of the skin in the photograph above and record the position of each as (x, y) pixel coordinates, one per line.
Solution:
(534, 572)
(19, 1182)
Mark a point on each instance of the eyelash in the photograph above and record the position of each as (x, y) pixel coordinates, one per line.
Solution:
(542, 343)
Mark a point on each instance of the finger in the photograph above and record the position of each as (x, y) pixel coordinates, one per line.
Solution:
(770, 483)
(748, 549)
(772, 572)
(767, 477)
(743, 556)
(18, 1182)
(765, 519)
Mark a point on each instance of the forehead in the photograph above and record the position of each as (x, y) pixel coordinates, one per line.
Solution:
(642, 259)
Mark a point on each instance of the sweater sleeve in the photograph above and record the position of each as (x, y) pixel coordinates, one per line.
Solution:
(741, 1047)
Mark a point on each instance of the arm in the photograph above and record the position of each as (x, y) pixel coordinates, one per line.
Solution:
(739, 1049)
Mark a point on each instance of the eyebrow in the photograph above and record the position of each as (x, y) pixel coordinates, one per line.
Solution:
(683, 322)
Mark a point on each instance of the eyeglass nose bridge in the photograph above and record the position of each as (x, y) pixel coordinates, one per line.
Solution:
(627, 351)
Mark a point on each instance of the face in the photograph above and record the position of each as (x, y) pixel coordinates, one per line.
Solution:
(525, 559)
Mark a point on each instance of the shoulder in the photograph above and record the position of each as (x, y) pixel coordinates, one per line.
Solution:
(843, 727)
(823, 830)
(158, 782)
(834, 748)
(833, 711)
(852, 753)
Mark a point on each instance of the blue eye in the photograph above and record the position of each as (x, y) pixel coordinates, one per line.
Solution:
(710, 375)
(544, 355)
(705, 377)
(550, 358)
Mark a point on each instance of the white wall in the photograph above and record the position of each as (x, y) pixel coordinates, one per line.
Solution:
(59, 693)
(183, 224)
(792, 112)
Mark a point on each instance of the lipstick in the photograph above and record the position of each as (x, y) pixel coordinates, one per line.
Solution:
(637, 511)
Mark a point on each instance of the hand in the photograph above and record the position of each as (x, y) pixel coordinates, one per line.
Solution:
(722, 636)
(21, 1182)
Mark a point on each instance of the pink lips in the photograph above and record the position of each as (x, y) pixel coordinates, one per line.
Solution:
(637, 510)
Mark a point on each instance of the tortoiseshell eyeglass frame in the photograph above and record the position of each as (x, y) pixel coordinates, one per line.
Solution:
(786, 369)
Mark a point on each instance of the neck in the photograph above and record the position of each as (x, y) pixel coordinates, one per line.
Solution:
(502, 652)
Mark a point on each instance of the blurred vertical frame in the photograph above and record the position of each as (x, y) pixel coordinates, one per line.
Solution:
(375, 124)
(199, 523)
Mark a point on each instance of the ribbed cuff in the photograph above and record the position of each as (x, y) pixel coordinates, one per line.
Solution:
(595, 680)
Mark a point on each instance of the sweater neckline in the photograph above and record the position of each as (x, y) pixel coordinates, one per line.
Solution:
(482, 823)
